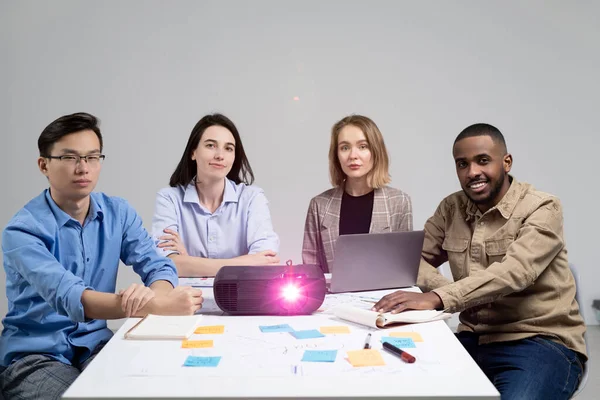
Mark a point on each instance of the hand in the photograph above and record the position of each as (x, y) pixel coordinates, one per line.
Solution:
(263, 258)
(134, 298)
(400, 301)
(183, 300)
(172, 241)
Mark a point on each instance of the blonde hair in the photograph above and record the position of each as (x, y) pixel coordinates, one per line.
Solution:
(379, 175)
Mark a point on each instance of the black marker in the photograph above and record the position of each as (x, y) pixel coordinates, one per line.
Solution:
(404, 356)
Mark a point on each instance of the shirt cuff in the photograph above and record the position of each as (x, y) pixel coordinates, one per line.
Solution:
(163, 276)
(165, 253)
(449, 298)
(73, 305)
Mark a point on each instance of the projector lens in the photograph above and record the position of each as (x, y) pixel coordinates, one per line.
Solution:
(290, 293)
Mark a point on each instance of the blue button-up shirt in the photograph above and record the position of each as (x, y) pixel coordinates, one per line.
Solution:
(240, 225)
(50, 259)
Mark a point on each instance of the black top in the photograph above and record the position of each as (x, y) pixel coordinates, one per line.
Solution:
(355, 213)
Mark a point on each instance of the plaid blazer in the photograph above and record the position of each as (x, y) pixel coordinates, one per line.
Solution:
(392, 212)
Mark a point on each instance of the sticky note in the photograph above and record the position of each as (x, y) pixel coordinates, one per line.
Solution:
(335, 329)
(402, 343)
(365, 358)
(319, 355)
(276, 328)
(307, 334)
(415, 336)
(193, 361)
(196, 344)
(207, 330)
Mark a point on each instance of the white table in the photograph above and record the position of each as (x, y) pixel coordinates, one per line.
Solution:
(267, 365)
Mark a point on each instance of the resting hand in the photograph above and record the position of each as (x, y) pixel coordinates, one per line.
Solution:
(263, 258)
(183, 300)
(401, 300)
(134, 298)
(172, 242)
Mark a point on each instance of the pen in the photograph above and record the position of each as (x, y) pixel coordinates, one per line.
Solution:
(370, 299)
(404, 356)
(368, 342)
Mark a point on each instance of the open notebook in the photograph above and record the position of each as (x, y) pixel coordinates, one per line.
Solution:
(162, 327)
(380, 320)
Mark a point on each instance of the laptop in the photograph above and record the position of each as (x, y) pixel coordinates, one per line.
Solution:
(374, 261)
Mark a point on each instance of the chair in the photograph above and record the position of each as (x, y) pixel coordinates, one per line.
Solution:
(578, 297)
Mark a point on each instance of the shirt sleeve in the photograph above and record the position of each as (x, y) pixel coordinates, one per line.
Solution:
(26, 253)
(164, 217)
(406, 219)
(312, 244)
(138, 250)
(260, 233)
(538, 241)
(433, 255)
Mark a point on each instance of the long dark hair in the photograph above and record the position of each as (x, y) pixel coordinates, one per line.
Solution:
(186, 169)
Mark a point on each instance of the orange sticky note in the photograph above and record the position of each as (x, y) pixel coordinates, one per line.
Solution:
(415, 336)
(334, 329)
(210, 330)
(365, 358)
(196, 344)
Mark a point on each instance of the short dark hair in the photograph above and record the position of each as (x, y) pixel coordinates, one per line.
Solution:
(482, 129)
(186, 169)
(66, 125)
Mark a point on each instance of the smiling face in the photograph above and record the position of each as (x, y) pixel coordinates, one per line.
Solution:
(215, 153)
(354, 153)
(72, 181)
(482, 166)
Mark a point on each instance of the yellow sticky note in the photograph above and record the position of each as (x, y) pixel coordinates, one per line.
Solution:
(415, 336)
(210, 330)
(365, 358)
(334, 329)
(196, 344)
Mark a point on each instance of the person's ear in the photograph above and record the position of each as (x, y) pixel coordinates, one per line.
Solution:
(507, 162)
(43, 165)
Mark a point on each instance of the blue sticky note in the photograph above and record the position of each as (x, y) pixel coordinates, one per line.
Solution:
(402, 343)
(193, 361)
(307, 334)
(319, 355)
(276, 328)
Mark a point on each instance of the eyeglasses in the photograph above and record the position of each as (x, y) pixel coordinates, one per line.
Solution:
(93, 159)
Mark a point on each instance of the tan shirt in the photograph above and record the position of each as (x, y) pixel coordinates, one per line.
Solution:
(511, 274)
(392, 212)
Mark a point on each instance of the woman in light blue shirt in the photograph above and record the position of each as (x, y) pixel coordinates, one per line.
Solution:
(210, 216)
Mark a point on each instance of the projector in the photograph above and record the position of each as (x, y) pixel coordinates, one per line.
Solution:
(269, 289)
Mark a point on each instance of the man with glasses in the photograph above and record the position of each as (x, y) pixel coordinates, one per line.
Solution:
(61, 254)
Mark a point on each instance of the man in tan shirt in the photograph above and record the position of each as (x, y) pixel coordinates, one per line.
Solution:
(514, 290)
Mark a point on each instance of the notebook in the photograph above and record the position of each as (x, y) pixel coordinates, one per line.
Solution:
(380, 320)
(163, 327)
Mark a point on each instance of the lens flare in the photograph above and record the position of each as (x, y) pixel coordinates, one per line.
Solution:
(290, 292)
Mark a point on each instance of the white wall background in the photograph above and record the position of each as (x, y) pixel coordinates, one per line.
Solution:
(422, 70)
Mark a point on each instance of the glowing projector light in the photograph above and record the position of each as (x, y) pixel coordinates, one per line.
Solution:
(290, 292)
(270, 289)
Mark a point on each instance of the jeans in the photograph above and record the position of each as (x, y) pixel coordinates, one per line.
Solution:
(528, 369)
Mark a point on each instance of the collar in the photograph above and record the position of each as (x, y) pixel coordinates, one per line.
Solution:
(505, 207)
(62, 217)
(229, 195)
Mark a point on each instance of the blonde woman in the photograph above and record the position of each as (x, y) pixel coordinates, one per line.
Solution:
(360, 201)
